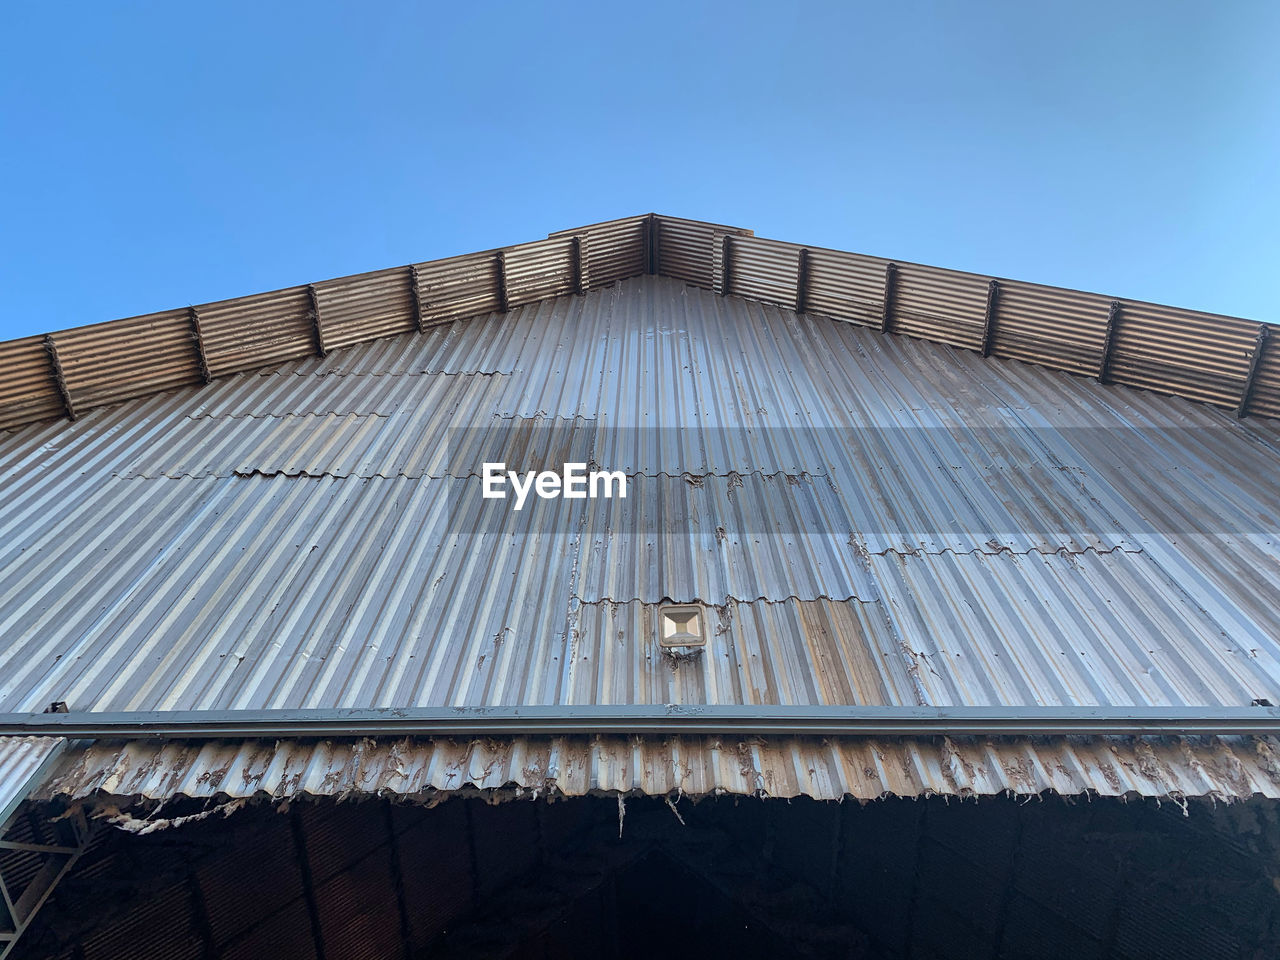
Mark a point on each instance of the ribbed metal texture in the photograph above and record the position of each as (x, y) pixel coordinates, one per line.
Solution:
(866, 519)
(856, 509)
(1187, 353)
(21, 761)
(1221, 767)
(28, 390)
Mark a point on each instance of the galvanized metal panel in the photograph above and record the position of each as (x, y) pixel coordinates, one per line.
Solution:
(790, 652)
(873, 519)
(23, 763)
(1050, 629)
(775, 459)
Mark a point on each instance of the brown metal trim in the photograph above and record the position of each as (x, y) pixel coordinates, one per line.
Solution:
(500, 268)
(802, 280)
(197, 337)
(989, 317)
(415, 293)
(1255, 361)
(1109, 341)
(55, 362)
(651, 244)
(575, 258)
(890, 287)
(726, 262)
(317, 328)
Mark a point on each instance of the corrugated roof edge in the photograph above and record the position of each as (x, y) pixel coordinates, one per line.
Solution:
(863, 768)
(1224, 361)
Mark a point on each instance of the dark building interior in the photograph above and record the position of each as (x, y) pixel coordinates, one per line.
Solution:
(744, 877)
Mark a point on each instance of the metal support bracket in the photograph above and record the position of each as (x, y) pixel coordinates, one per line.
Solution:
(580, 283)
(500, 279)
(1109, 341)
(415, 294)
(1255, 362)
(197, 336)
(20, 902)
(317, 328)
(55, 362)
(802, 280)
(726, 264)
(651, 244)
(989, 318)
(890, 287)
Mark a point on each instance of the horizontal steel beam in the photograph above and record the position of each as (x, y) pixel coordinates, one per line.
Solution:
(822, 721)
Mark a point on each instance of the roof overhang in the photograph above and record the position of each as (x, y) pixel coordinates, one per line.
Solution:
(1206, 357)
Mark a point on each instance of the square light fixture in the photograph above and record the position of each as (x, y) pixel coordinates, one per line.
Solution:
(681, 626)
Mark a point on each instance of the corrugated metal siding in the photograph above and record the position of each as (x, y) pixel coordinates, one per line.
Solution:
(863, 768)
(288, 540)
(936, 304)
(366, 306)
(1181, 352)
(22, 761)
(869, 519)
(28, 391)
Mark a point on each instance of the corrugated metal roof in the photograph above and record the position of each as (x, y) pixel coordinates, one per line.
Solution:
(23, 762)
(873, 519)
(264, 556)
(863, 768)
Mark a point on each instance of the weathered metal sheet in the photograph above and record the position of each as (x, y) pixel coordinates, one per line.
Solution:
(367, 306)
(790, 652)
(1225, 768)
(23, 763)
(292, 539)
(28, 390)
(249, 333)
(128, 358)
(868, 519)
(1060, 629)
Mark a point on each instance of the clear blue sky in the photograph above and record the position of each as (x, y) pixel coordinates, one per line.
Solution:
(157, 155)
